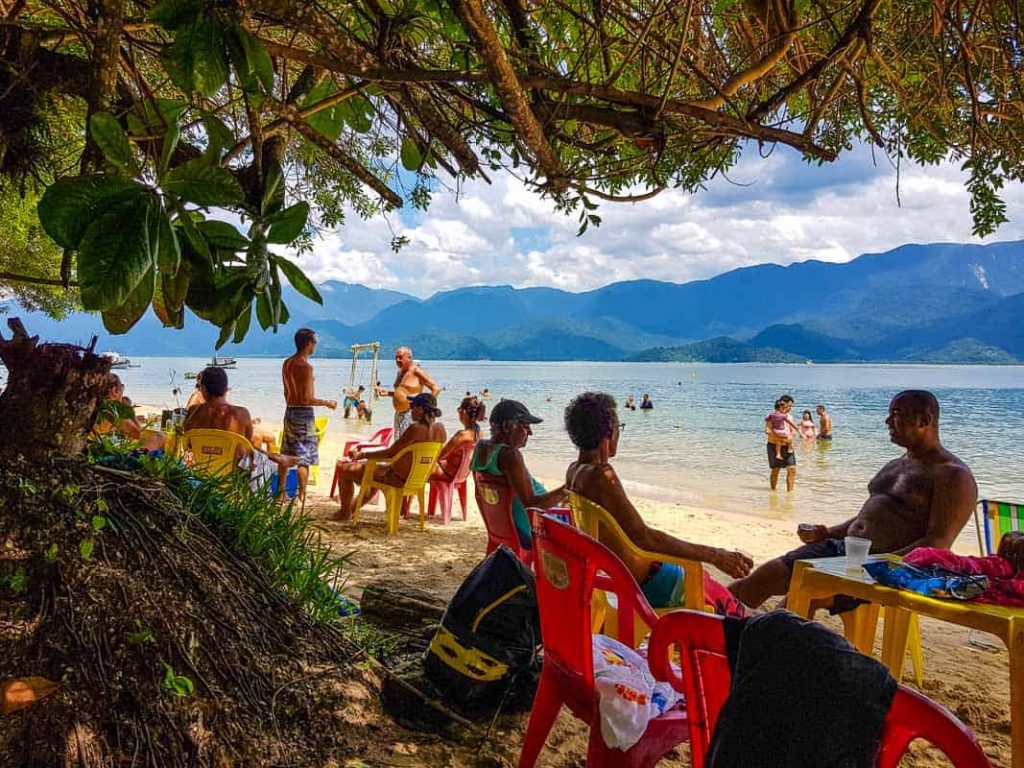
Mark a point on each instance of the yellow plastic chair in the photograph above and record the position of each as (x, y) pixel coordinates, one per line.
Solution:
(215, 451)
(861, 624)
(424, 456)
(597, 522)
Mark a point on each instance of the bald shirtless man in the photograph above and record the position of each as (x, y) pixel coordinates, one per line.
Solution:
(410, 381)
(215, 412)
(299, 417)
(922, 499)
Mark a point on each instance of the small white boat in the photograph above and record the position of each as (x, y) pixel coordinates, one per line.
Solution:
(223, 362)
(118, 361)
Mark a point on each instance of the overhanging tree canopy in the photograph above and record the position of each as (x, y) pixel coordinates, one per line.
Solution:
(195, 107)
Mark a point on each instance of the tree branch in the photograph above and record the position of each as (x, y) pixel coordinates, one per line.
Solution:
(11, 277)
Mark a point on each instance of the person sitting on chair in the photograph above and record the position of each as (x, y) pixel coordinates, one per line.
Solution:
(594, 428)
(502, 456)
(424, 429)
(216, 412)
(471, 413)
(128, 425)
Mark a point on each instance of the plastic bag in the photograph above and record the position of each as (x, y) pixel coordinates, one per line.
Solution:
(628, 695)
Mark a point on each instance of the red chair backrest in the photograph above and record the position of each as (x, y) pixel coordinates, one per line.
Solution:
(494, 499)
(381, 436)
(700, 641)
(569, 566)
(463, 469)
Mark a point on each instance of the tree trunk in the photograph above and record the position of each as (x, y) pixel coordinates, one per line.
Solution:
(402, 609)
(53, 394)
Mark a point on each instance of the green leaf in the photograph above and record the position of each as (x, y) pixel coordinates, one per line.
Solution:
(121, 319)
(225, 334)
(113, 142)
(218, 136)
(242, 323)
(50, 555)
(169, 317)
(357, 112)
(264, 313)
(197, 60)
(257, 59)
(168, 145)
(85, 548)
(72, 203)
(169, 252)
(298, 279)
(192, 235)
(220, 234)
(412, 158)
(174, 14)
(98, 522)
(329, 121)
(288, 224)
(203, 184)
(153, 116)
(115, 254)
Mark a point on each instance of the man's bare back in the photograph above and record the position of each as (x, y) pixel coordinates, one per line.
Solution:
(221, 415)
(297, 376)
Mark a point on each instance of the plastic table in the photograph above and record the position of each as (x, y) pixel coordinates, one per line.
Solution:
(825, 577)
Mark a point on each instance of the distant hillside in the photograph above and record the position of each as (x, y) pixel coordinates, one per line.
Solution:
(918, 302)
(718, 350)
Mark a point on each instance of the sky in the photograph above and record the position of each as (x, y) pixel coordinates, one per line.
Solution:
(776, 209)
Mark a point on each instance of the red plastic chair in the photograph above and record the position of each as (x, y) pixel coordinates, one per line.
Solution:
(570, 565)
(700, 641)
(442, 489)
(494, 499)
(378, 439)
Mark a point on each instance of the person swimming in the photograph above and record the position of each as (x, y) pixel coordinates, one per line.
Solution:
(646, 404)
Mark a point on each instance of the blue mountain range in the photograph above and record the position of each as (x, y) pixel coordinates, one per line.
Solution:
(937, 302)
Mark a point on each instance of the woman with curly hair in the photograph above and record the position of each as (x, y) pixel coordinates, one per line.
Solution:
(593, 425)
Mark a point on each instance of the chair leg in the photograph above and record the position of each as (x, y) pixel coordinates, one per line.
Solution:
(423, 510)
(392, 510)
(542, 716)
(462, 498)
(433, 499)
(446, 503)
(334, 482)
(360, 500)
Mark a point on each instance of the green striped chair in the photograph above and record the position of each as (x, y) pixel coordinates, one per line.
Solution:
(996, 518)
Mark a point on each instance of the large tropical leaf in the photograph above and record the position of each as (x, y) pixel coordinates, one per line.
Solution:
(298, 279)
(220, 234)
(71, 204)
(288, 224)
(169, 249)
(203, 184)
(174, 14)
(115, 254)
(113, 142)
(197, 60)
(122, 318)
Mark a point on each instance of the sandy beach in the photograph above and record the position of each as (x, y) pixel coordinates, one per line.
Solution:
(971, 681)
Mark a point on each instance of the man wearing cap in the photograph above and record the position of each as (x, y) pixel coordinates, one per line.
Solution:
(502, 456)
(424, 428)
(410, 381)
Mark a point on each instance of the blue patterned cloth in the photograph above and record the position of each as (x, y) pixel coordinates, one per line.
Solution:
(300, 435)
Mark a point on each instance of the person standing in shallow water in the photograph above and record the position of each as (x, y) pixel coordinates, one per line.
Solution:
(825, 430)
(646, 404)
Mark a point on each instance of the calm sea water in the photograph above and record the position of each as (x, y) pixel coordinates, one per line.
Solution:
(703, 443)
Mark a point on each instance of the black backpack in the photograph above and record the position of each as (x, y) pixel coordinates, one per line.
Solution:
(484, 653)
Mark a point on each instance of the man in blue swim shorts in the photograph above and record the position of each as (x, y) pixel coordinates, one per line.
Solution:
(299, 417)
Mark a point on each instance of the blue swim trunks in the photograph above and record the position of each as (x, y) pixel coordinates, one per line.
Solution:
(664, 587)
(300, 435)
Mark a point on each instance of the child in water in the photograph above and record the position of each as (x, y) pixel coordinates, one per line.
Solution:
(779, 424)
(808, 428)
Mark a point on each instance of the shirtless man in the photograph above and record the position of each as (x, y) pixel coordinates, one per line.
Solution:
(410, 381)
(424, 428)
(922, 499)
(299, 417)
(825, 432)
(215, 412)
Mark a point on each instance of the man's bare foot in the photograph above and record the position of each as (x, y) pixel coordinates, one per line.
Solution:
(340, 517)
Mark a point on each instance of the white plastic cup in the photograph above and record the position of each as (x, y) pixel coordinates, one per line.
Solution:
(856, 552)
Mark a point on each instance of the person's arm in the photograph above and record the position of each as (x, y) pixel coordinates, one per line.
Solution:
(615, 500)
(817, 533)
(428, 382)
(954, 498)
(511, 464)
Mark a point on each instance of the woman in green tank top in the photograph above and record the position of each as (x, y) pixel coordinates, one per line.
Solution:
(501, 456)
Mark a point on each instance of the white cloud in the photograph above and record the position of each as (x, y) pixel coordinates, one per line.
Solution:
(775, 209)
